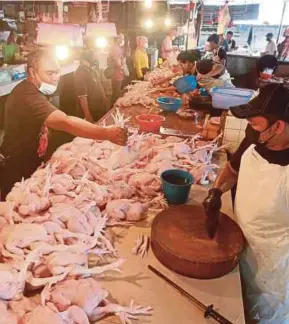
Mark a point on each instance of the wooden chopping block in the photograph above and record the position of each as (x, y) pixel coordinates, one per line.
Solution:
(180, 242)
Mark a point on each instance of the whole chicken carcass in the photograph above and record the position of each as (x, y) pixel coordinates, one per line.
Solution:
(49, 315)
(62, 184)
(57, 262)
(125, 209)
(22, 306)
(74, 220)
(120, 158)
(10, 286)
(19, 236)
(122, 190)
(148, 184)
(27, 202)
(91, 297)
(12, 282)
(84, 293)
(159, 167)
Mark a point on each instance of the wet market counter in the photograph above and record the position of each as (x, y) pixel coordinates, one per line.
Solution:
(138, 283)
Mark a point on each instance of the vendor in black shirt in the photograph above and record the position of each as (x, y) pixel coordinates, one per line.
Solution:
(261, 205)
(92, 102)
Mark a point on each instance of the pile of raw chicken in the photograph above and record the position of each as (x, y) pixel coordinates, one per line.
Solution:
(140, 93)
(54, 237)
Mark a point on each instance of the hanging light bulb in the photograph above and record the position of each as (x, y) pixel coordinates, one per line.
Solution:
(148, 4)
(168, 22)
(148, 23)
(101, 42)
(61, 52)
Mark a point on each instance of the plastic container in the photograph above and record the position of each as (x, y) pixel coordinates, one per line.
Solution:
(224, 98)
(150, 123)
(176, 186)
(186, 84)
(169, 103)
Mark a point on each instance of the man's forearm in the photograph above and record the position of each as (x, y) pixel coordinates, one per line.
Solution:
(227, 179)
(216, 70)
(82, 128)
(76, 126)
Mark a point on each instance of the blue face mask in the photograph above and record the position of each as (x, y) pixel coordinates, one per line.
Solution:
(47, 89)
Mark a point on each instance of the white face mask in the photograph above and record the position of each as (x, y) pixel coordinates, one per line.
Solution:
(47, 89)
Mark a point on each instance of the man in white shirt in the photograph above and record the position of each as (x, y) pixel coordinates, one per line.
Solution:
(167, 48)
(271, 47)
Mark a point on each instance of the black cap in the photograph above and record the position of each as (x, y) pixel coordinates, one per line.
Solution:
(269, 35)
(273, 100)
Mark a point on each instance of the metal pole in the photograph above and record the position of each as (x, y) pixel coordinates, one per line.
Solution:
(188, 26)
(281, 22)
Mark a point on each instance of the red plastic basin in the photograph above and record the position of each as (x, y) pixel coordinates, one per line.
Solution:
(150, 123)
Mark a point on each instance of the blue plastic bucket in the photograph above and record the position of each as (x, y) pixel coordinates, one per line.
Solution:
(186, 84)
(176, 186)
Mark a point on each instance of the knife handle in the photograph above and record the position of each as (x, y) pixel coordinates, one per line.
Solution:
(210, 312)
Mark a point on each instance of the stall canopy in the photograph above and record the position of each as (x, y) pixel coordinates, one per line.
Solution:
(59, 34)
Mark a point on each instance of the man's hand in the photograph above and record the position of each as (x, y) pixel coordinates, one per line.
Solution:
(116, 135)
(212, 205)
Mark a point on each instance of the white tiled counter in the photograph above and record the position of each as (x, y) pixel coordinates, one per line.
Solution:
(234, 131)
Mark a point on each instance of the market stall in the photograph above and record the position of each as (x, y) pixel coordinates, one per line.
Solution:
(90, 205)
(243, 69)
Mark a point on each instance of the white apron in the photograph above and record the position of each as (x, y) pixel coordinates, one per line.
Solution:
(262, 211)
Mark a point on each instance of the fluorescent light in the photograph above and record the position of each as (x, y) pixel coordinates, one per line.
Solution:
(101, 42)
(148, 24)
(61, 52)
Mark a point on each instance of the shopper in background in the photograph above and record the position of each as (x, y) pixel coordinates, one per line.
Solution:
(29, 116)
(141, 60)
(10, 50)
(283, 47)
(167, 48)
(116, 66)
(91, 98)
(271, 47)
(231, 42)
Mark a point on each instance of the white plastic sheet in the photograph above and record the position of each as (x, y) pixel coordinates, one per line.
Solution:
(59, 34)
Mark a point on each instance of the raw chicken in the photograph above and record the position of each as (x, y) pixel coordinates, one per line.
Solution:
(17, 237)
(7, 316)
(88, 295)
(49, 315)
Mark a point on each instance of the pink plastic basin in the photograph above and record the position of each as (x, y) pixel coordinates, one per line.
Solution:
(150, 123)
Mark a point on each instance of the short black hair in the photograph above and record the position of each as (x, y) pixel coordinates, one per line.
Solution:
(230, 33)
(189, 56)
(214, 38)
(269, 35)
(204, 66)
(266, 62)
